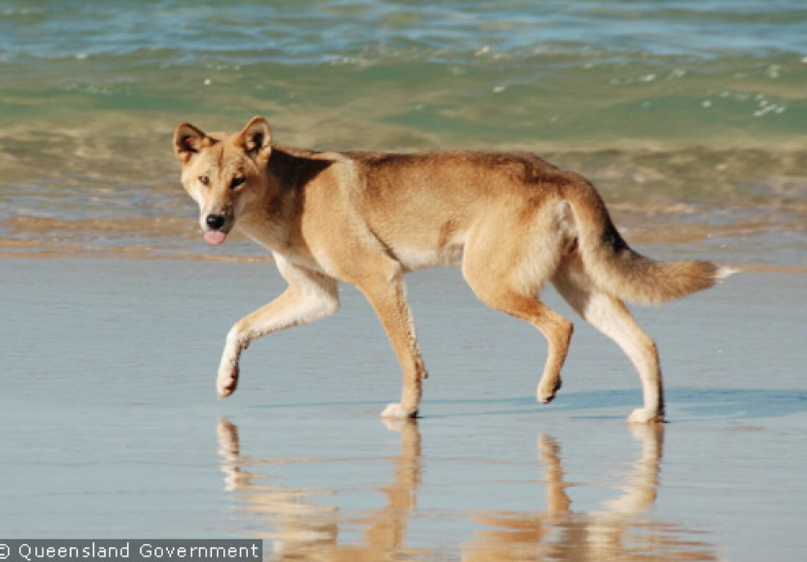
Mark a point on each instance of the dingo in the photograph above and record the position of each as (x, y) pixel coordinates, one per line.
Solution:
(512, 221)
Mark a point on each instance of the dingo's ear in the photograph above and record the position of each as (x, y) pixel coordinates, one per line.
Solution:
(188, 140)
(256, 138)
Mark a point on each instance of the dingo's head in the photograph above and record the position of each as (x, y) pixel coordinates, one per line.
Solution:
(223, 173)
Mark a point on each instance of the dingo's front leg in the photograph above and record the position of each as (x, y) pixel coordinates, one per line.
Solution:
(309, 297)
(388, 297)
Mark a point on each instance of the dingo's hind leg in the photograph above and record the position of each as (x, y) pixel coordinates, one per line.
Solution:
(509, 280)
(611, 317)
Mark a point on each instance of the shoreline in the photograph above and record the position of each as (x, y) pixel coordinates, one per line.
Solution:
(150, 255)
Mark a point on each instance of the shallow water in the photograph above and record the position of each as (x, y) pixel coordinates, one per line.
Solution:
(689, 116)
(109, 426)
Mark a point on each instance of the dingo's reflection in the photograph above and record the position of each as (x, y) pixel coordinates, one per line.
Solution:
(613, 533)
(304, 530)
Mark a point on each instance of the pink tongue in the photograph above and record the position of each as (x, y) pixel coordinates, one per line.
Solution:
(215, 237)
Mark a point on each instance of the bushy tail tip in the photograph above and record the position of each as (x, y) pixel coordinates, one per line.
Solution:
(725, 271)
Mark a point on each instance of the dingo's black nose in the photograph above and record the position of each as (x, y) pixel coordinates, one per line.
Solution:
(215, 222)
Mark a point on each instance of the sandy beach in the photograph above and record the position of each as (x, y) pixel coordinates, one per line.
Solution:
(111, 428)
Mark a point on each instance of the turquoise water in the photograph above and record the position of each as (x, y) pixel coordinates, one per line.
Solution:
(691, 116)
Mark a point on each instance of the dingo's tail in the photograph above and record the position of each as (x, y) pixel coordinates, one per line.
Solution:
(617, 270)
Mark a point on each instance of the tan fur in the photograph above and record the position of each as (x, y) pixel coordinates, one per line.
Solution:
(512, 221)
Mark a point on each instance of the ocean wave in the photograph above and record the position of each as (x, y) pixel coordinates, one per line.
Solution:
(676, 110)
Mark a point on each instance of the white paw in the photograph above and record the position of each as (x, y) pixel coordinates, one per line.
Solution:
(396, 411)
(227, 381)
(643, 415)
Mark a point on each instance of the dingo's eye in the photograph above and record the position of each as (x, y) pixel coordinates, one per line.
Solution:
(237, 182)
(204, 180)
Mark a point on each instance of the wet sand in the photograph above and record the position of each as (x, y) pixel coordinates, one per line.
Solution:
(111, 428)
